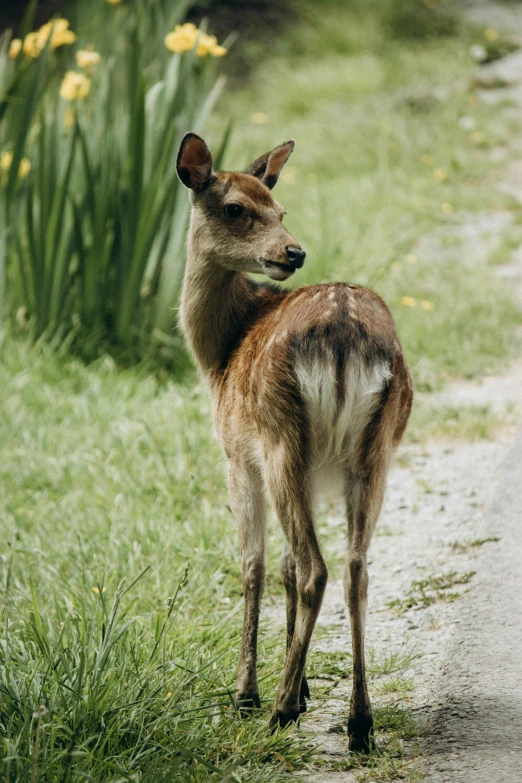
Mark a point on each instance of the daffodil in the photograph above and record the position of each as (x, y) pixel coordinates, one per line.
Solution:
(426, 305)
(87, 59)
(183, 38)
(75, 86)
(15, 48)
(6, 159)
(207, 44)
(30, 47)
(58, 30)
(408, 301)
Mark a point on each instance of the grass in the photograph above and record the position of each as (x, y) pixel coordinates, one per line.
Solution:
(434, 588)
(111, 477)
(469, 423)
(121, 600)
(470, 546)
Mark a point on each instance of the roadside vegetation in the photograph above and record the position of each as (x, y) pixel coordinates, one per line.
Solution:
(121, 589)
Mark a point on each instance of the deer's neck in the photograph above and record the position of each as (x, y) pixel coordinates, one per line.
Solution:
(215, 305)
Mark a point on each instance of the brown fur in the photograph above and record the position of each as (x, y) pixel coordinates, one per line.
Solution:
(288, 371)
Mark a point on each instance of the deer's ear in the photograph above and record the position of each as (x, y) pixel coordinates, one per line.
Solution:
(269, 166)
(194, 163)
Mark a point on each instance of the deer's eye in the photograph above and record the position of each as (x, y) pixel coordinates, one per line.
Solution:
(234, 210)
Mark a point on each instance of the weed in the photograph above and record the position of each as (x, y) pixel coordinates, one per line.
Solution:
(395, 685)
(430, 590)
(468, 546)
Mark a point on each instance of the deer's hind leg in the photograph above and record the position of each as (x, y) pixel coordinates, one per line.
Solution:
(248, 506)
(289, 579)
(288, 484)
(364, 496)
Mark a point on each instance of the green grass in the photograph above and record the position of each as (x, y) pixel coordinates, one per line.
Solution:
(427, 591)
(110, 476)
(469, 423)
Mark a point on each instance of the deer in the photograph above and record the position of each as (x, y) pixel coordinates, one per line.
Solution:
(306, 383)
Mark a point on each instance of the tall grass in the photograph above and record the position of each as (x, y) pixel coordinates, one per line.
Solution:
(97, 227)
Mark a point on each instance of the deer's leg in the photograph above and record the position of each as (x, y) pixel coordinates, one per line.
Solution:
(289, 579)
(248, 507)
(364, 500)
(287, 483)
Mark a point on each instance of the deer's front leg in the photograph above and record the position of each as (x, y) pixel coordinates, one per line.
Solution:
(248, 507)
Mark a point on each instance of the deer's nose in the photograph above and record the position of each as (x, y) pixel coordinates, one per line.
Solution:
(295, 255)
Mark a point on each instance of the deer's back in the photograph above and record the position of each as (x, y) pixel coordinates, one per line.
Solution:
(316, 366)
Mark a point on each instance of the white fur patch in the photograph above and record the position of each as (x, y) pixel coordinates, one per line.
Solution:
(337, 433)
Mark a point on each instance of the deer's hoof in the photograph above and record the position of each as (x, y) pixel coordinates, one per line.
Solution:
(282, 717)
(360, 734)
(245, 703)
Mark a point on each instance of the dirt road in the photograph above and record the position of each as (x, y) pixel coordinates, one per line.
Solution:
(476, 733)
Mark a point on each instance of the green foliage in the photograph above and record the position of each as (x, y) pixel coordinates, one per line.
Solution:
(116, 481)
(424, 592)
(97, 228)
(420, 19)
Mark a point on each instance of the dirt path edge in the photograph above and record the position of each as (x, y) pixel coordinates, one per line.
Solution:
(476, 734)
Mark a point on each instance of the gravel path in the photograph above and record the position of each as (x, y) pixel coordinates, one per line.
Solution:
(476, 733)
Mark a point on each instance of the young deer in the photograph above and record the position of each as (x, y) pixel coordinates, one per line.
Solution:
(306, 383)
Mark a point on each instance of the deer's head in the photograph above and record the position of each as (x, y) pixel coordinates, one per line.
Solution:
(235, 219)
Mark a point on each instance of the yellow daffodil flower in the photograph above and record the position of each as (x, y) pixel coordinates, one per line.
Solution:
(75, 86)
(183, 38)
(15, 48)
(207, 44)
(426, 305)
(87, 59)
(218, 51)
(408, 301)
(6, 158)
(34, 43)
(30, 46)
(59, 31)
